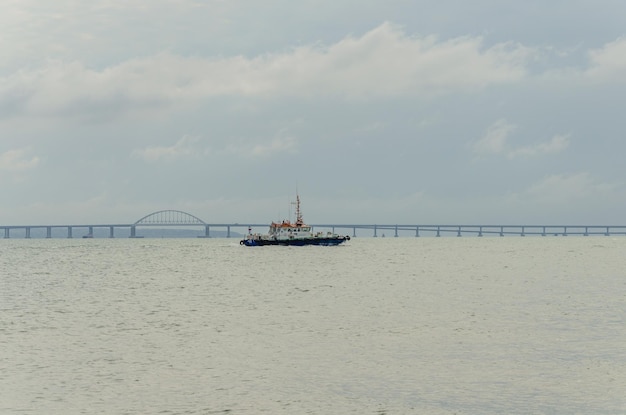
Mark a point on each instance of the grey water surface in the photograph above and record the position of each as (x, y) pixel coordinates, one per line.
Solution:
(375, 326)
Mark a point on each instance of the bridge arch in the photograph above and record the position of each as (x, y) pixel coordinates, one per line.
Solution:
(169, 218)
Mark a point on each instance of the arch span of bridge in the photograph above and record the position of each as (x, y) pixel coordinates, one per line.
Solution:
(176, 218)
(169, 218)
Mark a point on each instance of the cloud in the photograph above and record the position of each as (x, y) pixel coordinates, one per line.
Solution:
(69, 88)
(383, 62)
(554, 197)
(277, 145)
(18, 160)
(387, 62)
(189, 146)
(184, 147)
(568, 188)
(557, 144)
(282, 143)
(495, 140)
(608, 64)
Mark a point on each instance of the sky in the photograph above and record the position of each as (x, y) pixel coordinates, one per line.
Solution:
(374, 112)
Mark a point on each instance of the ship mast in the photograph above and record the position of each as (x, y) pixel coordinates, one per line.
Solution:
(299, 220)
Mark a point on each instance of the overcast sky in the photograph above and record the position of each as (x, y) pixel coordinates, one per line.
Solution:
(394, 111)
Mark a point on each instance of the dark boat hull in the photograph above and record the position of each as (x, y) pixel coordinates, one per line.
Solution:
(296, 242)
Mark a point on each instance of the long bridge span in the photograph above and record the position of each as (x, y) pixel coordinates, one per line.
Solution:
(180, 219)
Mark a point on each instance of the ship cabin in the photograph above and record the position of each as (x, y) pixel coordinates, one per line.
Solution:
(286, 229)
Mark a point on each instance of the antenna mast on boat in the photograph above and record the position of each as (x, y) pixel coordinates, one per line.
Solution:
(299, 220)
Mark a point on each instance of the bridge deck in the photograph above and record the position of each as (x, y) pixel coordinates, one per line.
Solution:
(49, 231)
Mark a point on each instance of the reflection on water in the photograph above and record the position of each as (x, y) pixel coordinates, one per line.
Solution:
(379, 326)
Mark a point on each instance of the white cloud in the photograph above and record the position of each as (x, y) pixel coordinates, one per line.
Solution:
(280, 144)
(184, 147)
(557, 144)
(564, 189)
(277, 145)
(387, 62)
(189, 146)
(18, 160)
(575, 198)
(495, 140)
(382, 62)
(608, 64)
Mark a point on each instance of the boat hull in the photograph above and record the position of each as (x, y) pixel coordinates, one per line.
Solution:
(330, 241)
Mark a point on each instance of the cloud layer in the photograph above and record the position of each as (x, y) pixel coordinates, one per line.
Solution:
(411, 116)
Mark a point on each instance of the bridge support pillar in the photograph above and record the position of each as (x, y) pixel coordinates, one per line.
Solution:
(207, 231)
(27, 232)
(417, 231)
(133, 231)
(523, 232)
(459, 232)
(565, 231)
(480, 231)
(354, 232)
(228, 231)
(543, 232)
(396, 234)
(501, 230)
(586, 231)
(111, 232)
(7, 233)
(69, 232)
(608, 233)
(438, 231)
(48, 232)
(375, 228)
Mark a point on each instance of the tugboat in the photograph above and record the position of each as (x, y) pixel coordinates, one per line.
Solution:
(297, 234)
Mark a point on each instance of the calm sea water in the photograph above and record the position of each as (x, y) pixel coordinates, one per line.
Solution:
(376, 326)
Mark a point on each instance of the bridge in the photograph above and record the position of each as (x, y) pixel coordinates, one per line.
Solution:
(180, 219)
(485, 230)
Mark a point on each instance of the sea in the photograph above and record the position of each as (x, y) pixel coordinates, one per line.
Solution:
(379, 326)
